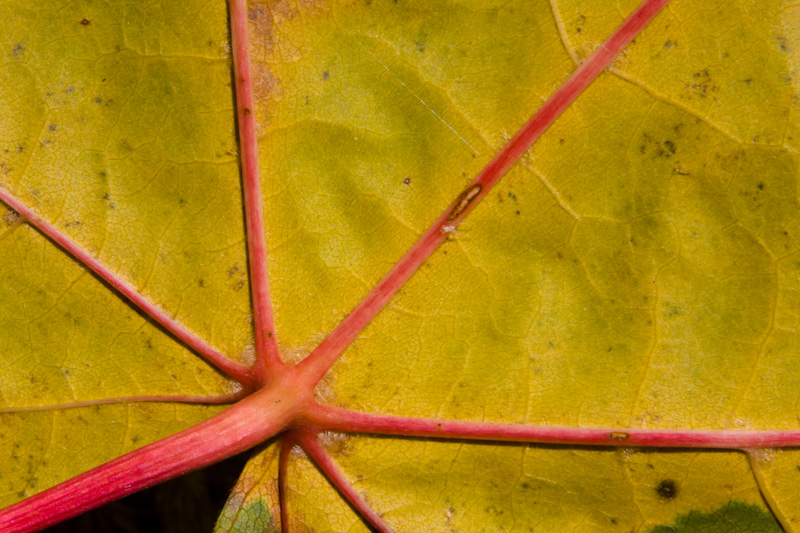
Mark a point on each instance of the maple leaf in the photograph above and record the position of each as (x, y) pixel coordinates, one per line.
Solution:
(630, 285)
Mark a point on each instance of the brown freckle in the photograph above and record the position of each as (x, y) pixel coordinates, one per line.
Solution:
(667, 489)
(407, 181)
(85, 22)
(618, 435)
(246, 111)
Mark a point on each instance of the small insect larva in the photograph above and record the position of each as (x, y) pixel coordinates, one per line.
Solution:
(463, 201)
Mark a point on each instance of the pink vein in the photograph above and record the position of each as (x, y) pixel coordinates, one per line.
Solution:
(239, 372)
(227, 398)
(310, 444)
(325, 355)
(268, 359)
(330, 418)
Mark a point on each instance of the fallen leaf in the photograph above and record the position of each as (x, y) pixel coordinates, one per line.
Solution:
(637, 268)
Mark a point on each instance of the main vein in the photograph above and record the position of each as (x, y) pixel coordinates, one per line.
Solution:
(268, 361)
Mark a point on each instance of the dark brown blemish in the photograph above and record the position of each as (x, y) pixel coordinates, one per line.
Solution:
(407, 181)
(618, 435)
(667, 489)
(247, 111)
(85, 22)
(464, 199)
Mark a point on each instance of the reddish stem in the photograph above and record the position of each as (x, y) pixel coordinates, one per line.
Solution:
(268, 360)
(231, 368)
(310, 443)
(247, 423)
(325, 355)
(206, 400)
(324, 417)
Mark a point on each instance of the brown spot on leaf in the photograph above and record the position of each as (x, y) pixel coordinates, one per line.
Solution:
(702, 84)
(667, 489)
